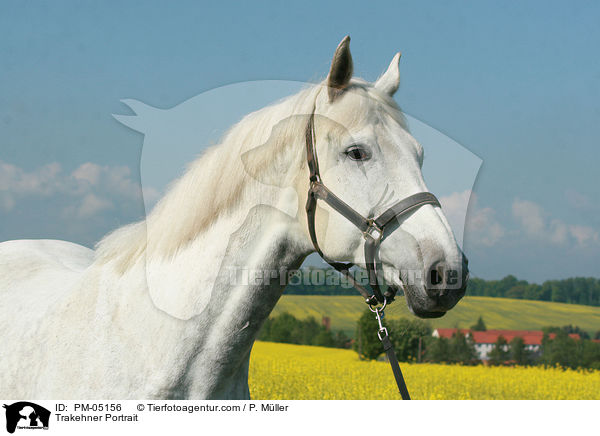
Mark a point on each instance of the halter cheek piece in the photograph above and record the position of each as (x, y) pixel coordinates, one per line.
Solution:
(372, 229)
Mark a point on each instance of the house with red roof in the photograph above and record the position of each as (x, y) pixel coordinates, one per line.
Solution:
(484, 340)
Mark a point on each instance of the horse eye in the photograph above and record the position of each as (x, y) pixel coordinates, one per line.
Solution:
(357, 153)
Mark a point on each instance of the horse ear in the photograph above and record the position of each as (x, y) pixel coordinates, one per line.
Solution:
(390, 80)
(341, 69)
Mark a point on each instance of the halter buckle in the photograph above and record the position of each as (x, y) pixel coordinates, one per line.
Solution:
(373, 231)
(314, 186)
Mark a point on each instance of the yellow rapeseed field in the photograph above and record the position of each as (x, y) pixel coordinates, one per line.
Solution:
(298, 372)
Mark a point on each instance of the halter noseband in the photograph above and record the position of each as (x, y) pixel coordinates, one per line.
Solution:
(372, 229)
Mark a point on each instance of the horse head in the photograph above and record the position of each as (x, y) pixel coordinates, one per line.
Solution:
(368, 159)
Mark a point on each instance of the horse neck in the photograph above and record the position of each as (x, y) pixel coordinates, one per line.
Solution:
(239, 305)
(223, 285)
(241, 241)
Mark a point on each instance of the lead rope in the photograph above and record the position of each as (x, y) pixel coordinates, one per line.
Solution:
(383, 336)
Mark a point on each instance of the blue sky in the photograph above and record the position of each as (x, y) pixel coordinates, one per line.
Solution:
(518, 84)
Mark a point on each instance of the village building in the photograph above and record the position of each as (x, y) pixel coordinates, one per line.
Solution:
(484, 341)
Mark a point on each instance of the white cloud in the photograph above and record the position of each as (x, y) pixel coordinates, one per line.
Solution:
(119, 179)
(558, 232)
(88, 172)
(112, 179)
(532, 219)
(529, 215)
(479, 224)
(15, 181)
(584, 235)
(486, 230)
(482, 228)
(92, 205)
(7, 203)
(455, 208)
(578, 200)
(93, 188)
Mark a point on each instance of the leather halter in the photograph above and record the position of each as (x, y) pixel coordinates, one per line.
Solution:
(372, 229)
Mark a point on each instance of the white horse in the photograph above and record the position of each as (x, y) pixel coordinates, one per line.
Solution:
(153, 312)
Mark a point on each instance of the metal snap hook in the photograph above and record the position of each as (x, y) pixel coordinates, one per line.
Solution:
(378, 310)
(379, 314)
(385, 333)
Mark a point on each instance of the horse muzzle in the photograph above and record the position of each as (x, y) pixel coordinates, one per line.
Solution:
(442, 288)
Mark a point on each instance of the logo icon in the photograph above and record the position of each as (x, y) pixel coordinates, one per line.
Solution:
(26, 415)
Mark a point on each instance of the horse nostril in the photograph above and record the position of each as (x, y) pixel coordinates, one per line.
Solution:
(435, 277)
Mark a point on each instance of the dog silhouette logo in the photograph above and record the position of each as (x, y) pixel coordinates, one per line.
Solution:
(26, 415)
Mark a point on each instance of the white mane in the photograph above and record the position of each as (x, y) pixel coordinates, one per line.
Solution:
(215, 182)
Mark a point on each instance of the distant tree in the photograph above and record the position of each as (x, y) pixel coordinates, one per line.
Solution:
(576, 329)
(279, 329)
(559, 292)
(518, 353)
(477, 286)
(533, 292)
(560, 350)
(323, 338)
(550, 329)
(288, 329)
(479, 326)
(517, 292)
(437, 350)
(597, 335)
(577, 290)
(568, 352)
(506, 283)
(590, 354)
(367, 344)
(462, 349)
(569, 329)
(546, 292)
(499, 353)
(405, 334)
(341, 340)
(306, 331)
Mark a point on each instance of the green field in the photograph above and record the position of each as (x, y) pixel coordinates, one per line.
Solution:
(498, 313)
